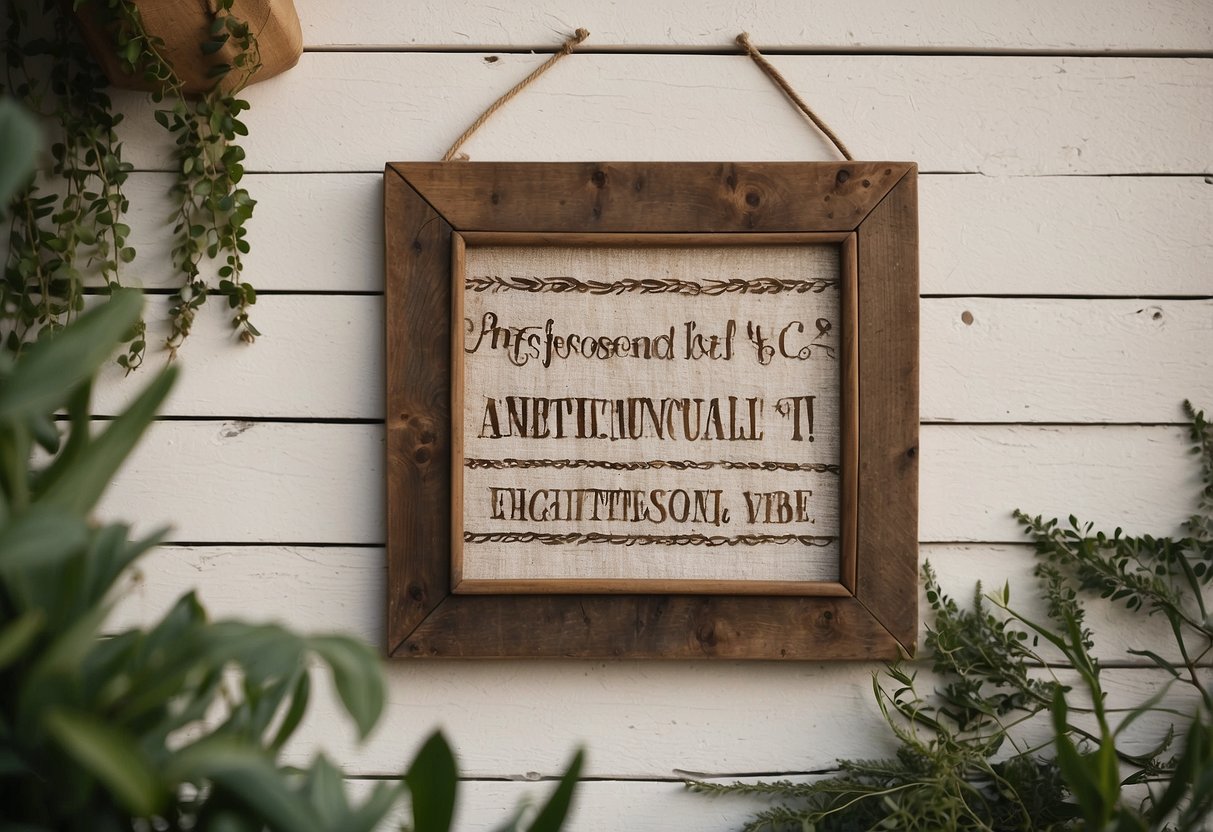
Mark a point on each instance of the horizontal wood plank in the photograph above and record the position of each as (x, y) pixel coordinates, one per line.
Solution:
(265, 482)
(973, 477)
(646, 719)
(354, 111)
(1092, 236)
(598, 805)
(603, 805)
(1066, 235)
(983, 360)
(1094, 25)
(322, 589)
(320, 357)
(308, 588)
(1009, 360)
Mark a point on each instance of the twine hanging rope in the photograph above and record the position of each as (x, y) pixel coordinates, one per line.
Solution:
(743, 40)
(566, 49)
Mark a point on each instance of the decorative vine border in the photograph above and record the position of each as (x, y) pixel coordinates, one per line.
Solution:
(641, 465)
(648, 286)
(557, 539)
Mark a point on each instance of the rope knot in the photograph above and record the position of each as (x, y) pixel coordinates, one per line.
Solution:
(578, 36)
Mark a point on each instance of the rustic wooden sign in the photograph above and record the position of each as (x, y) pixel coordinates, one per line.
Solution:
(652, 410)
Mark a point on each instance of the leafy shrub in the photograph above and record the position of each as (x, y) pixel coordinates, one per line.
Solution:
(962, 762)
(176, 727)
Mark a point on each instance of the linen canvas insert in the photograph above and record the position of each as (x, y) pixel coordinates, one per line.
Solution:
(637, 413)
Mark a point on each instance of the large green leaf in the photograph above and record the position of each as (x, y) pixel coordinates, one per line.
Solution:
(54, 678)
(14, 464)
(265, 652)
(357, 676)
(551, 817)
(20, 138)
(79, 488)
(42, 556)
(16, 635)
(5, 826)
(112, 756)
(244, 773)
(367, 817)
(224, 820)
(162, 662)
(300, 697)
(79, 412)
(263, 702)
(326, 794)
(52, 368)
(43, 536)
(1080, 771)
(432, 780)
(110, 553)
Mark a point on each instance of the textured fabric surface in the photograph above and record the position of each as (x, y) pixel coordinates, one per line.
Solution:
(651, 412)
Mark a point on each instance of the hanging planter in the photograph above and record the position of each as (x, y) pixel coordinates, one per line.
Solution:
(194, 56)
(190, 40)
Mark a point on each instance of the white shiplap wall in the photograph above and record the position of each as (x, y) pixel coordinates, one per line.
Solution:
(1066, 204)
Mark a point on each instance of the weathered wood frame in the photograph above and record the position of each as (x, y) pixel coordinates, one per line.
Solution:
(428, 204)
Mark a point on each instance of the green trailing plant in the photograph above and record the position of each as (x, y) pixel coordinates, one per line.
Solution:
(67, 233)
(965, 757)
(67, 225)
(212, 207)
(178, 726)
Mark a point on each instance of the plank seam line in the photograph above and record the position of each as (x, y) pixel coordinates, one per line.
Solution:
(369, 421)
(263, 544)
(606, 778)
(338, 544)
(154, 291)
(251, 420)
(99, 291)
(792, 51)
(1006, 296)
(242, 544)
(1206, 174)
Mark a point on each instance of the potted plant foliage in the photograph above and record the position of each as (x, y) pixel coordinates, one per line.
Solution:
(67, 232)
(179, 725)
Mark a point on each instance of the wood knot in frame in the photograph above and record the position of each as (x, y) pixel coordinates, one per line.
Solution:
(750, 203)
(826, 621)
(421, 438)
